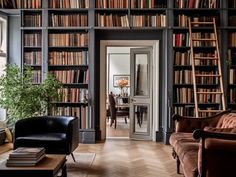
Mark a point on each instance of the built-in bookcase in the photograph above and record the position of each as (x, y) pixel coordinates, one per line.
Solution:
(31, 29)
(231, 94)
(68, 60)
(130, 13)
(60, 36)
(183, 98)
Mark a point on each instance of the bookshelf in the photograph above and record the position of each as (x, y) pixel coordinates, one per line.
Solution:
(31, 29)
(68, 56)
(183, 98)
(231, 54)
(130, 14)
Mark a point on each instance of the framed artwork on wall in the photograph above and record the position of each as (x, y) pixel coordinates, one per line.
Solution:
(121, 80)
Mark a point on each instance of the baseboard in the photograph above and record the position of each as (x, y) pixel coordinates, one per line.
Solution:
(87, 136)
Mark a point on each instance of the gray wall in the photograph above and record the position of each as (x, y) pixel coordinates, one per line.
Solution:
(14, 40)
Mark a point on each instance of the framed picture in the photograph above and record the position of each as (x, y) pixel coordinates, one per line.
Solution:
(121, 80)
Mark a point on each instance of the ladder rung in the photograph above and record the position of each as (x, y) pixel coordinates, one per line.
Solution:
(207, 75)
(203, 39)
(206, 58)
(202, 23)
(210, 110)
(209, 92)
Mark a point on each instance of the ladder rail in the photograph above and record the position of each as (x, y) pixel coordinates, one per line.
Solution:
(193, 69)
(219, 66)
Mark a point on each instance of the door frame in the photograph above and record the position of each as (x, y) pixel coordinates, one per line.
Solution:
(155, 68)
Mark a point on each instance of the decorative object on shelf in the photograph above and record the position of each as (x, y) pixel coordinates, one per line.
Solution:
(21, 97)
(122, 81)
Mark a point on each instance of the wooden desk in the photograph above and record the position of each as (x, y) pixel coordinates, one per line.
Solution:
(50, 166)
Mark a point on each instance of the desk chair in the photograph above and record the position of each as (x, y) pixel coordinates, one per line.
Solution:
(114, 113)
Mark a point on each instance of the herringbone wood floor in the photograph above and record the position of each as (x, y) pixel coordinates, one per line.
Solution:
(126, 158)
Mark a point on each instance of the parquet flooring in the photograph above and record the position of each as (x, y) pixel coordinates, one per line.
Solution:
(127, 158)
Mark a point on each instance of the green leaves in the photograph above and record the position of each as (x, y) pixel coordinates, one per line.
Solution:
(21, 98)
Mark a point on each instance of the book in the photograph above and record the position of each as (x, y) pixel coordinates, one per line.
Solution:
(27, 152)
(25, 156)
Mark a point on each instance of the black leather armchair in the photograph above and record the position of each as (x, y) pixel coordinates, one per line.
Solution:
(57, 134)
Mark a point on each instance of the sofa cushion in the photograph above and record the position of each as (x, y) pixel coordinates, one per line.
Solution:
(47, 140)
(180, 136)
(222, 130)
(190, 163)
(227, 121)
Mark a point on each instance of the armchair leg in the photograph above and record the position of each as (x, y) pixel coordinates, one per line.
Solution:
(73, 157)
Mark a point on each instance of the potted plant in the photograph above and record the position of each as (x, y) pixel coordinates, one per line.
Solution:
(22, 98)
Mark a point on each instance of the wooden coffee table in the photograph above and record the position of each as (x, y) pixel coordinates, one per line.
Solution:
(50, 166)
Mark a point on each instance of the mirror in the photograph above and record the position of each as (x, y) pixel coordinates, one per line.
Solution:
(140, 119)
(141, 75)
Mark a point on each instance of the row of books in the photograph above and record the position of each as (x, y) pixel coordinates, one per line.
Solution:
(232, 76)
(232, 95)
(148, 4)
(37, 77)
(149, 20)
(232, 56)
(33, 58)
(25, 156)
(68, 58)
(31, 4)
(73, 95)
(196, 3)
(232, 4)
(232, 39)
(33, 40)
(184, 59)
(190, 111)
(69, 4)
(185, 77)
(68, 39)
(10, 4)
(183, 40)
(32, 20)
(71, 76)
(185, 95)
(184, 111)
(112, 20)
(82, 112)
(232, 20)
(117, 4)
(182, 20)
(69, 20)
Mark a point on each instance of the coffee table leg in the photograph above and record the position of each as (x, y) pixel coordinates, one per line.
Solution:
(64, 172)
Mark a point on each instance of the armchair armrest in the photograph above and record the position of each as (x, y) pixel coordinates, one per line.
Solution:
(189, 124)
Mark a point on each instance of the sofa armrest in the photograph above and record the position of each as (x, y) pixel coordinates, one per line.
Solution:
(189, 124)
(217, 152)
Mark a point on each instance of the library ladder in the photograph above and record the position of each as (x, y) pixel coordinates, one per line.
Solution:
(198, 39)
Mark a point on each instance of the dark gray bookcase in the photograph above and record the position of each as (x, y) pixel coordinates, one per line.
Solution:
(138, 30)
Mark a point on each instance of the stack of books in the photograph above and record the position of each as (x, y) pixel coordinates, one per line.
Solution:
(24, 156)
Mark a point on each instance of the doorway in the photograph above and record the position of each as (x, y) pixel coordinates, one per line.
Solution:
(109, 84)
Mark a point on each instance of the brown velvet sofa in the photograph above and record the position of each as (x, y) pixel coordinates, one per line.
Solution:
(205, 146)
